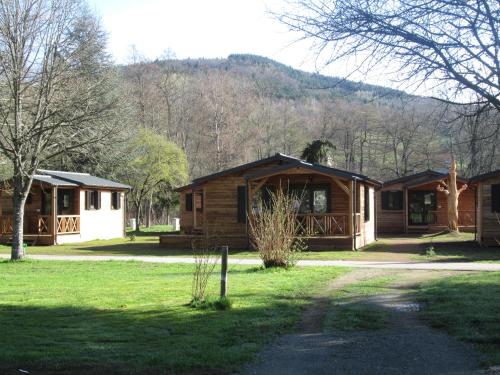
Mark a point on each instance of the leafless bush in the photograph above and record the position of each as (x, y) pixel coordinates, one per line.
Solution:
(275, 231)
(205, 260)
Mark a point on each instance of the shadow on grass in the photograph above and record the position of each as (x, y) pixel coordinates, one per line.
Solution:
(173, 339)
(466, 307)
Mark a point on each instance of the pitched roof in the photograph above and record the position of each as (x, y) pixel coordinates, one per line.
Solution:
(275, 158)
(289, 162)
(62, 178)
(429, 173)
(485, 176)
(421, 178)
(315, 167)
(49, 180)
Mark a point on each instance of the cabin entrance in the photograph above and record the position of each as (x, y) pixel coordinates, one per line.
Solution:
(421, 207)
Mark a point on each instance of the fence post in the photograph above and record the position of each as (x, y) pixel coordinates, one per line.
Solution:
(223, 271)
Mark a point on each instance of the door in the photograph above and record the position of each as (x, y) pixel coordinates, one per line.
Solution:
(422, 205)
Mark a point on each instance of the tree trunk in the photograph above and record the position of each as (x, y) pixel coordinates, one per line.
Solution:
(18, 200)
(137, 217)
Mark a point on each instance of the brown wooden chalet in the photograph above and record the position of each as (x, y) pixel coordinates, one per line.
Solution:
(488, 207)
(337, 208)
(413, 204)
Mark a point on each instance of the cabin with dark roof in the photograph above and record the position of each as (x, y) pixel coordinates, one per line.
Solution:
(488, 208)
(412, 204)
(336, 211)
(64, 207)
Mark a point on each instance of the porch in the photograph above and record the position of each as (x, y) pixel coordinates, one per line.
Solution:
(49, 212)
(427, 210)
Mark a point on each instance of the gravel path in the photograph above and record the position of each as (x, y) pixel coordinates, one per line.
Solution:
(452, 266)
(405, 346)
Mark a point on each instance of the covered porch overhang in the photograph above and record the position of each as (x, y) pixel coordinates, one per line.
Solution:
(338, 220)
(50, 210)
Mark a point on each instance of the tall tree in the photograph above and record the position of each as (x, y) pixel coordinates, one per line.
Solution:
(55, 88)
(318, 151)
(455, 43)
(155, 162)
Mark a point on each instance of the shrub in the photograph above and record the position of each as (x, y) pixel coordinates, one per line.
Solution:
(275, 231)
(205, 260)
(429, 251)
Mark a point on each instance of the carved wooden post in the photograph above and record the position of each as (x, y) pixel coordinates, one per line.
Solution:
(452, 193)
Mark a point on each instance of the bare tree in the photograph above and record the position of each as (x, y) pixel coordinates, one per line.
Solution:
(455, 43)
(55, 87)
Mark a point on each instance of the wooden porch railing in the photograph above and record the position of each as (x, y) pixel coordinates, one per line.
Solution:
(40, 224)
(68, 224)
(6, 224)
(329, 224)
(466, 218)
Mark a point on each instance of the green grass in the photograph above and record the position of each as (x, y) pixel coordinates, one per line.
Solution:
(152, 230)
(386, 249)
(347, 313)
(467, 307)
(132, 317)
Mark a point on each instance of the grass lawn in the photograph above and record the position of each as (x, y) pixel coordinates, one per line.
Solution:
(467, 307)
(446, 247)
(131, 317)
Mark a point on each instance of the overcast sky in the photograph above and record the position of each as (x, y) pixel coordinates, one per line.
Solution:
(208, 28)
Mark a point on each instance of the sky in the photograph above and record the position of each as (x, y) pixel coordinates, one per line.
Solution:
(209, 29)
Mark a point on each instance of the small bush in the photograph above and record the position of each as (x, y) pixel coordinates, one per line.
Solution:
(221, 303)
(429, 251)
(131, 237)
(275, 231)
(205, 260)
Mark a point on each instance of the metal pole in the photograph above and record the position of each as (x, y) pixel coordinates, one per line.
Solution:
(223, 271)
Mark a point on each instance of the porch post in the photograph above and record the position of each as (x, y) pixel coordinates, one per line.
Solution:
(195, 224)
(351, 211)
(54, 214)
(406, 212)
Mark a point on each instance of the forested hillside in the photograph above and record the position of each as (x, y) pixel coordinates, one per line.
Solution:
(224, 112)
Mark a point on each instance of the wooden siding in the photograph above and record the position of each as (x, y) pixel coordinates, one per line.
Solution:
(488, 231)
(390, 221)
(395, 221)
(220, 208)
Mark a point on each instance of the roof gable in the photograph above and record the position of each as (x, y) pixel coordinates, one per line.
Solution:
(240, 168)
(287, 163)
(314, 167)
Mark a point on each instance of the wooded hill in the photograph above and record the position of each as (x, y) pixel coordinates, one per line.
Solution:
(224, 112)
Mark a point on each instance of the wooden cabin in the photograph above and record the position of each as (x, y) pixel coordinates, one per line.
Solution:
(488, 208)
(412, 204)
(64, 207)
(336, 210)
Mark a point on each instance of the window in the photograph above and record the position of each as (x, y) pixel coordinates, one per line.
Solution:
(65, 199)
(311, 199)
(115, 200)
(92, 200)
(367, 203)
(320, 201)
(495, 198)
(242, 204)
(392, 200)
(46, 202)
(189, 201)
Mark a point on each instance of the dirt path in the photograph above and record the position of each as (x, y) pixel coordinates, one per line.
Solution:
(404, 346)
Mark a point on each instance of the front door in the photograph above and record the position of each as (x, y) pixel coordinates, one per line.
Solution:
(421, 207)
